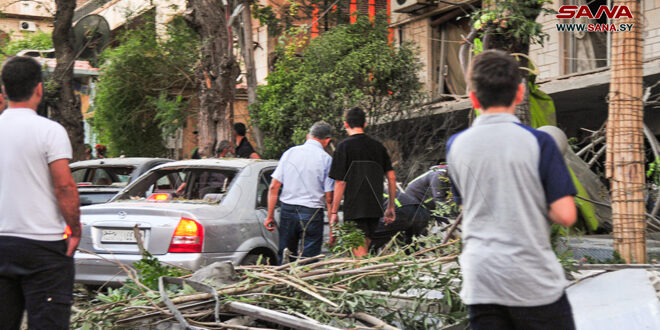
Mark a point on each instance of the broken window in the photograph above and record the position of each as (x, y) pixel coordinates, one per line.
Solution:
(584, 51)
(448, 33)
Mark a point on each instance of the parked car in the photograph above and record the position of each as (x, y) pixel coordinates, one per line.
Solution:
(188, 213)
(100, 179)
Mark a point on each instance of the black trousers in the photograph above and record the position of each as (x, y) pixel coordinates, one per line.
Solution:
(37, 276)
(557, 315)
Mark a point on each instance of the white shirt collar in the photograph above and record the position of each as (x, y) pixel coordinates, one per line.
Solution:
(20, 110)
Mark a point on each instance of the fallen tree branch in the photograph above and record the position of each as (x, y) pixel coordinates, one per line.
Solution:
(374, 321)
(275, 317)
(453, 228)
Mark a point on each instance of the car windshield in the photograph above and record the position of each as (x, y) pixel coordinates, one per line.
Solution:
(205, 185)
(94, 197)
(114, 176)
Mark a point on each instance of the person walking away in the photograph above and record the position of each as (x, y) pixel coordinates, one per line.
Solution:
(513, 183)
(243, 147)
(38, 198)
(358, 167)
(302, 173)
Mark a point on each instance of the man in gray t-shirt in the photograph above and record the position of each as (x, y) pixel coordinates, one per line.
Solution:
(513, 184)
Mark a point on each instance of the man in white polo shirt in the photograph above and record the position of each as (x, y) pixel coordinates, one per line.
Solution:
(303, 175)
(38, 198)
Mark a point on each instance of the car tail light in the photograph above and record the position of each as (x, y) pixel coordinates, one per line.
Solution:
(159, 197)
(188, 237)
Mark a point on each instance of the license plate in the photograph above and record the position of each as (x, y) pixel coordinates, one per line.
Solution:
(119, 236)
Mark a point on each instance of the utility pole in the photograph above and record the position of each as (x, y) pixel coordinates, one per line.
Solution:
(625, 139)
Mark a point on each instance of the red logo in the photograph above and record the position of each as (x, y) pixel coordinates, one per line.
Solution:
(616, 12)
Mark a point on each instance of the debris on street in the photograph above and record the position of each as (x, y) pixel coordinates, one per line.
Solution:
(412, 286)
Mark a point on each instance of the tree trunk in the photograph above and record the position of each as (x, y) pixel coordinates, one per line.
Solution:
(522, 109)
(514, 46)
(216, 72)
(61, 101)
(625, 139)
(247, 49)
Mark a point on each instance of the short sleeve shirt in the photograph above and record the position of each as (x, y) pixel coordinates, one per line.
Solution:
(507, 175)
(244, 149)
(28, 144)
(303, 171)
(362, 162)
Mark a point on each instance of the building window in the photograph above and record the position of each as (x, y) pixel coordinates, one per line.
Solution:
(585, 51)
(447, 74)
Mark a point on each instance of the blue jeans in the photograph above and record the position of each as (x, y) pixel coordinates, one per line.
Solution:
(300, 223)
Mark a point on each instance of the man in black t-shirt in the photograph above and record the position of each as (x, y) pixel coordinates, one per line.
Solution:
(243, 147)
(358, 167)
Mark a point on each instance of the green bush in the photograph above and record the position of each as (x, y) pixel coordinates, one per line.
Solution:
(347, 66)
(36, 40)
(141, 94)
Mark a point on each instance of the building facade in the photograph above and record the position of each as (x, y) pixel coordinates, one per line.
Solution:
(573, 66)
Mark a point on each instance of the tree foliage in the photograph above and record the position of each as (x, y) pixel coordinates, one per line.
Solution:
(37, 40)
(281, 17)
(142, 92)
(513, 20)
(350, 65)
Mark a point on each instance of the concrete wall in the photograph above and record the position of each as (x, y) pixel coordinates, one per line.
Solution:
(11, 26)
(40, 8)
(651, 21)
(419, 33)
(549, 58)
(14, 12)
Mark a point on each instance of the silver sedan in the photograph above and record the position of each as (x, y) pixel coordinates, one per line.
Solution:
(189, 213)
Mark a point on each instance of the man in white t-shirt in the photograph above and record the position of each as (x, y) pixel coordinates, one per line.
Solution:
(38, 198)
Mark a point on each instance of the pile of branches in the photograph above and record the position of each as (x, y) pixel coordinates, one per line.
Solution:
(412, 286)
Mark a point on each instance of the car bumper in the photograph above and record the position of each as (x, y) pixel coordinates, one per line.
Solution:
(99, 269)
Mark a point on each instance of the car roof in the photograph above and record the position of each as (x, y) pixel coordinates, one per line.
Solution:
(125, 161)
(237, 163)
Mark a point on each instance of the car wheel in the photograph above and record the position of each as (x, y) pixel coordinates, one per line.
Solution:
(253, 258)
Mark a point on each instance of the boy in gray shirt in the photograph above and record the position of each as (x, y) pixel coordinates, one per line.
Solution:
(513, 184)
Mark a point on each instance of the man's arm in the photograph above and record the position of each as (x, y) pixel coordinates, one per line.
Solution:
(254, 155)
(328, 200)
(66, 193)
(391, 185)
(563, 212)
(273, 194)
(336, 200)
(338, 195)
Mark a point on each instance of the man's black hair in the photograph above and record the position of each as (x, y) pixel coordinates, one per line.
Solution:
(355, 117)
(20, 76)
(494, 78)
(240, 129)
